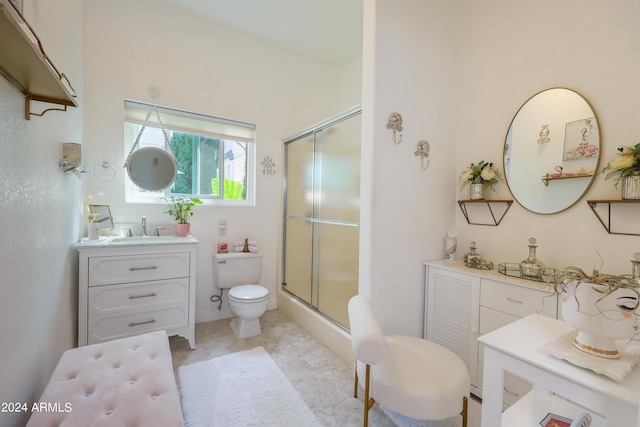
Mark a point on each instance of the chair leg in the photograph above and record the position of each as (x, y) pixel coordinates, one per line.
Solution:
(355, 384)
(465, 411)
(368, 401)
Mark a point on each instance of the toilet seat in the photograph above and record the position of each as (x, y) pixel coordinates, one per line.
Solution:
(247, 293)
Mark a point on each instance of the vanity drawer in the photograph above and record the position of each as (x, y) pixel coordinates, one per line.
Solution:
(514, 386)
(137, 268)
(106, 300)
(105, 328)
(517, 300)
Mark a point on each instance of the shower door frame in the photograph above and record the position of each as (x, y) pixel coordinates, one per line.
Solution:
(311, 132)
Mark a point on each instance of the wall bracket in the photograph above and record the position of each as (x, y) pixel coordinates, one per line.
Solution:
(497, 209)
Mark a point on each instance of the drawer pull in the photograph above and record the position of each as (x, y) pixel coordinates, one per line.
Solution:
(152, 267)
(152, 294)
(506, 390)
(141, 323)
(514, 300)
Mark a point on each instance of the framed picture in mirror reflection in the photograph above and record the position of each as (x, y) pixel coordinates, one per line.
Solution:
(577, 139)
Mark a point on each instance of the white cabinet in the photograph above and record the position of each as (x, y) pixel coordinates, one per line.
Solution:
(451, 314)
(131, 289)
(464, 303)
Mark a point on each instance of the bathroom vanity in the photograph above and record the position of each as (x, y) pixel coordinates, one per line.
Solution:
(134, 285)
(463, 303)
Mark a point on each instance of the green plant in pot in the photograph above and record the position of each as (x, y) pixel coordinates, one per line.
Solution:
(180, 209)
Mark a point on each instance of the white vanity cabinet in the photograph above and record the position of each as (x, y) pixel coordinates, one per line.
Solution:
(133, 288)
(463, 303)
(451, 319)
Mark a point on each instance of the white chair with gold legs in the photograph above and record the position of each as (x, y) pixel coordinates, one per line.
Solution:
(411, 376)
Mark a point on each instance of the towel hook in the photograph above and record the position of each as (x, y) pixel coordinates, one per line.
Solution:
(422, 150)
(395, 124)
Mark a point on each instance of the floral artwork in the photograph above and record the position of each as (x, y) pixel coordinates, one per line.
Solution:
(577, 139)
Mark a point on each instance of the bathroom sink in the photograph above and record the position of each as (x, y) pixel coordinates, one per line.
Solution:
(144, 239)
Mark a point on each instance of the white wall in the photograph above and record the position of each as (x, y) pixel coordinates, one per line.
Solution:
(351, 84)
(209, 69)
(40, 216)
(409, 63)
(510, 51)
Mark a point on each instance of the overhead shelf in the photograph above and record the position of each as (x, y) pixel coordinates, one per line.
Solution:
(605, 215)
(496, 209)
(24, 63)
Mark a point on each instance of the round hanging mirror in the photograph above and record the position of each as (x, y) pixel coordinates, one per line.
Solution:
(552, 151)
(152, 168)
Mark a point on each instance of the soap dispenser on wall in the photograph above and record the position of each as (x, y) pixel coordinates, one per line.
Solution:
(72, 158)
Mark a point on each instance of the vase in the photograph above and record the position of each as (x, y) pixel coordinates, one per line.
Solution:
(182, 230)
(532, 268)
(599, 316)
(476, 191)
(631, 187)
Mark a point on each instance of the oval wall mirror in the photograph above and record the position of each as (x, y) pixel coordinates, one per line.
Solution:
(552, 151)
(152, 168)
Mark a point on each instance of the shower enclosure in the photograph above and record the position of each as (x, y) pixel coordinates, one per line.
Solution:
(322, 214)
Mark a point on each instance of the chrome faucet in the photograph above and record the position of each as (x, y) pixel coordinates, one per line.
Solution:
(143, 232)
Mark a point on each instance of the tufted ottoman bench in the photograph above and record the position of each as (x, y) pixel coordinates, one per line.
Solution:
(127, 382)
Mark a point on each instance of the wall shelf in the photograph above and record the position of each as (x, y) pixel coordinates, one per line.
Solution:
(493, 207)
(24, 63)
(548, 178)
(605, 217)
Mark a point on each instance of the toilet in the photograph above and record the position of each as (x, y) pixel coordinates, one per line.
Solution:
(239, 272)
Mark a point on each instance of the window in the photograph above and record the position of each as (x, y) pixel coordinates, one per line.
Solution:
(215, 157)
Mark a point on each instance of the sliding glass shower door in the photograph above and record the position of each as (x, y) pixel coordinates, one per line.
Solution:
(321, 215)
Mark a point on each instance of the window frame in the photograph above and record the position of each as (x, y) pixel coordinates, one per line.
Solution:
(224, 129)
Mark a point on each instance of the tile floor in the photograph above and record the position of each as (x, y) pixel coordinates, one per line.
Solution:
(323, 379)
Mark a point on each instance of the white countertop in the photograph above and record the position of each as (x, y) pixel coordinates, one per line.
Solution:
(522, 339)
(126, 242)
(458, 266)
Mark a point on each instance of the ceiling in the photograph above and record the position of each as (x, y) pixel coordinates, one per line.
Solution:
(329, 31)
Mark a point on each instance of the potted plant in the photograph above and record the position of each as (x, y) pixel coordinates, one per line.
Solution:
(180, 209)
(477, 176)
(626, 168)
(602, 308)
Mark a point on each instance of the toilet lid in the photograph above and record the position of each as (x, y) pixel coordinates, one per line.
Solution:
(248, 292)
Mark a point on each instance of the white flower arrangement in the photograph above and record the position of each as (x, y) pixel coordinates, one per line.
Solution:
(480, 173)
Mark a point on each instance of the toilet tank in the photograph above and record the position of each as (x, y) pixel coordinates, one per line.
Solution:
(237, 268)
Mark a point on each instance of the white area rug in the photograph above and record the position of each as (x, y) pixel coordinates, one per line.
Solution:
(241, 389)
